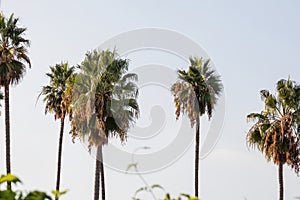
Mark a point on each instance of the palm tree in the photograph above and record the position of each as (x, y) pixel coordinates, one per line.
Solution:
(196, 93)
(276, 129)
(58, 98)
(105, 104)
(13, 57)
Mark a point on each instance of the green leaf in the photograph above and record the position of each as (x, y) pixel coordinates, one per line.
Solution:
(157, 186)
(10, 179)
(271, 102)
(264, 94)
(140, 190)
(37, 195)
(255, 116)
(189, 197)
(168, 197)
(7, 195)
(58, 194)
(264, 127)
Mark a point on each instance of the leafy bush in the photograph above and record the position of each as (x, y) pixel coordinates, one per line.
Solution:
(19, 195)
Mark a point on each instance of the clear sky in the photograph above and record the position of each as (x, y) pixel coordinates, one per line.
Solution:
(252, 43)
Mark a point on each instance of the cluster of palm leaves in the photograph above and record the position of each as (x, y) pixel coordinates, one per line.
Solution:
(277, 127)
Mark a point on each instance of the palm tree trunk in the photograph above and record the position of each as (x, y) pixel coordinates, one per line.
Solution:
(197, 156)
(7, 132)
(97, 177)
(102, 174)
(280, 178)
(99, 170)
(61, 135)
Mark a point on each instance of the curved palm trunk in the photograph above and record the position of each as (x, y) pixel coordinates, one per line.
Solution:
(280, 178)
(7, 132)
(197, 156)
(61, 135)
(99, 170)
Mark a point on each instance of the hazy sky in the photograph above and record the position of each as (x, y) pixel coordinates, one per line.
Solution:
(252, 43)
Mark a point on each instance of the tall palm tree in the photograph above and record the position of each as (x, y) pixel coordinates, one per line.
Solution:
(276, 129)
(196, 93)
(58, 99)
(84, 122)
(13, 60)
(105, 104)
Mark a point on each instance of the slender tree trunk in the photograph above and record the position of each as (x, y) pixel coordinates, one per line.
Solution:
(99, 170)
(197, 156)
(59, 157)
(7, 132)
(102, 174)
(280, 178)
(97, 177)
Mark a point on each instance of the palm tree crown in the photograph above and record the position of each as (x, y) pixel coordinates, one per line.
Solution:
(106, 95)
(13, 51)
(277, 127)
(57, 94)
(197, 90)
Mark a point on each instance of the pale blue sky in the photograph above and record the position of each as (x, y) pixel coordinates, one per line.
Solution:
(252, 43)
